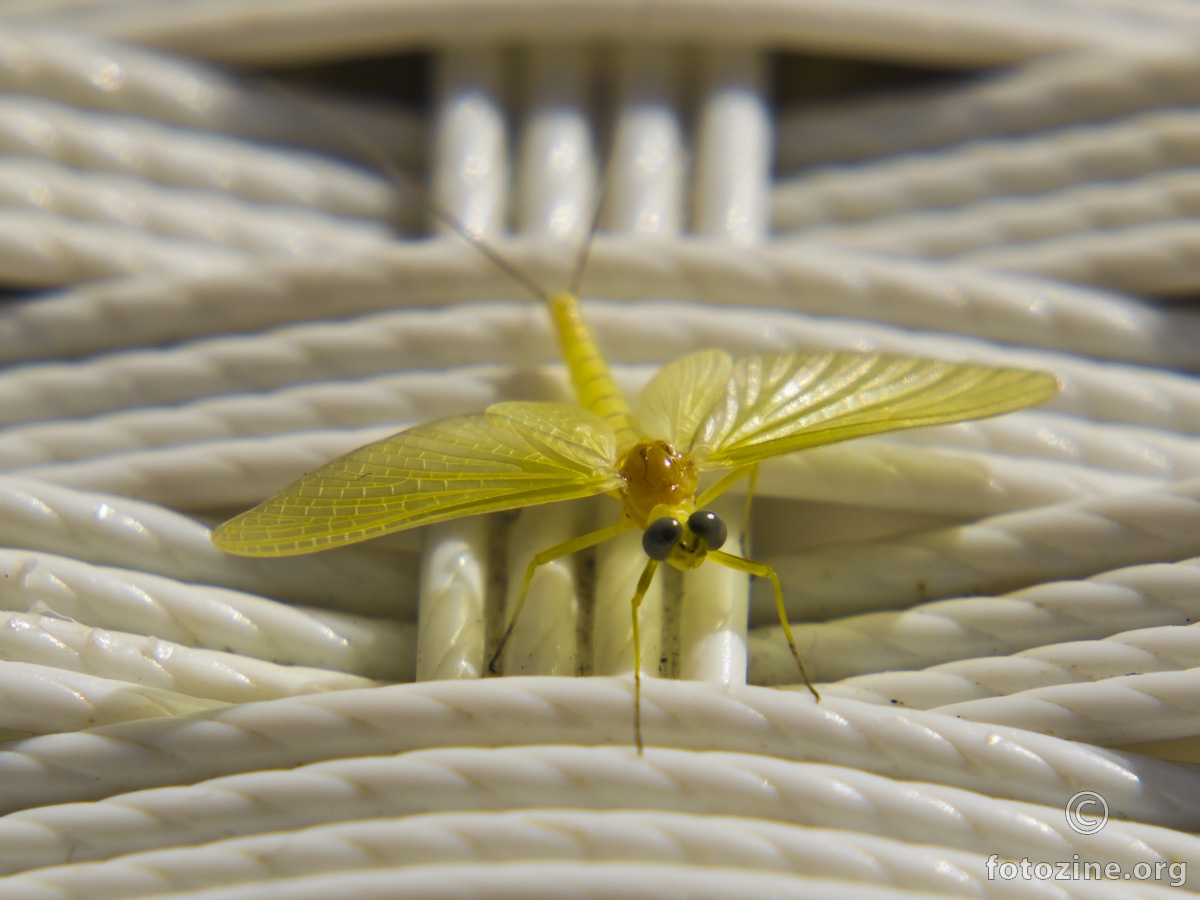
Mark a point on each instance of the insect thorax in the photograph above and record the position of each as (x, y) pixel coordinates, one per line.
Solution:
(656, 474)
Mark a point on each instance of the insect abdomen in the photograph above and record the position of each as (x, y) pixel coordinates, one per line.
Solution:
(594, 385)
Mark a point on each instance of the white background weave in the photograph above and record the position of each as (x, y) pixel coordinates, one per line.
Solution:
(211, 296)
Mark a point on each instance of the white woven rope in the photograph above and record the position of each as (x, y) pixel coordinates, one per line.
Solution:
(1042, 94)
(909, 744)
(120, 532)
(1128, 147)
(519, 335)
(1166, 648)
(40, 250)
(32, 127)
(402, 397)
(470, 141)
(734, 138)
(259, 409)
(413, 396)
(453, 594)
(556, 160)
(993, 223)
(675, 781)
(1067, 540)
(99, 74)
(242, 296)
(932, 633)
(537, 880)
(459, 838)
(1044, 435)
(202, 616)
(49, 641)
(219, 475)
(974, 34)
(1129, 708)
(42, 699)
(1158, 258)
(204, 216)
(644, 184)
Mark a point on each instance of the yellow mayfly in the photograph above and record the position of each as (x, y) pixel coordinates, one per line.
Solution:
(704, 412)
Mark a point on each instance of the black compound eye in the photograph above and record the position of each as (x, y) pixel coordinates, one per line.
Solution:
(660, 538)
(707, 524)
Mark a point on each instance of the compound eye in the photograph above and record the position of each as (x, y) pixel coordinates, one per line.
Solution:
(707, 524)
(660, 538)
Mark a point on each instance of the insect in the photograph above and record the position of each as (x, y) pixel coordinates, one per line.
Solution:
(702, 413)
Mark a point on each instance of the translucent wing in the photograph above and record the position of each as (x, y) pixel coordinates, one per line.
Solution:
(512, 455)
(681, 394)
(783, 402)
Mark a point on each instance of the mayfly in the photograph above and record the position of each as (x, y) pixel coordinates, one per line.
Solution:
(702, 413)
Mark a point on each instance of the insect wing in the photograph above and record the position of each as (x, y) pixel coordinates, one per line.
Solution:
(681, 394)
(779, 403)
(512, 455)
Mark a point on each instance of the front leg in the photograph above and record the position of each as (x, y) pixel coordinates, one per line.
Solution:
(764, 570)
(566, 548)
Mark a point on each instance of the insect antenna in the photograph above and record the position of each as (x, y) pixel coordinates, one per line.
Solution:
(575, 282)
(387, 166)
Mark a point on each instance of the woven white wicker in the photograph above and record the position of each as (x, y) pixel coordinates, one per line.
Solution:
(210, 298)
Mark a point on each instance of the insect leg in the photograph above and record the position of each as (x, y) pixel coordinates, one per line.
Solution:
(643, 585)
(591, 539)
(750, 488)
(763, 570)
(725, 482)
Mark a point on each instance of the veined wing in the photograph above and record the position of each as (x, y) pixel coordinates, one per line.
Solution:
(681, 394)
(779, 403)
(512, 455)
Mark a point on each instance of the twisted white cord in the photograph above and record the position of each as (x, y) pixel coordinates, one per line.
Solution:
(512, 836)
(1157, 258)
(556, 160)
(452, 617)
(880, 474)
(1041, 94)
(1132, 146)
(218, 475)
(1037, 434)
(32, 127)
(284, 733)
(203, 216)
(546, 642)
(990, 224)
(403, 397)
(202, 616)
(824, 281)
(1123, 710)
(121, 532)
(53, 642)
(644, 185)
(520, 335)
(470, 141)
(547, 880)
(95, 73)
(41, 700)
(1000, 553)
(731, 183)
(41, 250)
(933, 633)
(976, 34)
(596, 778)
(414, 396)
